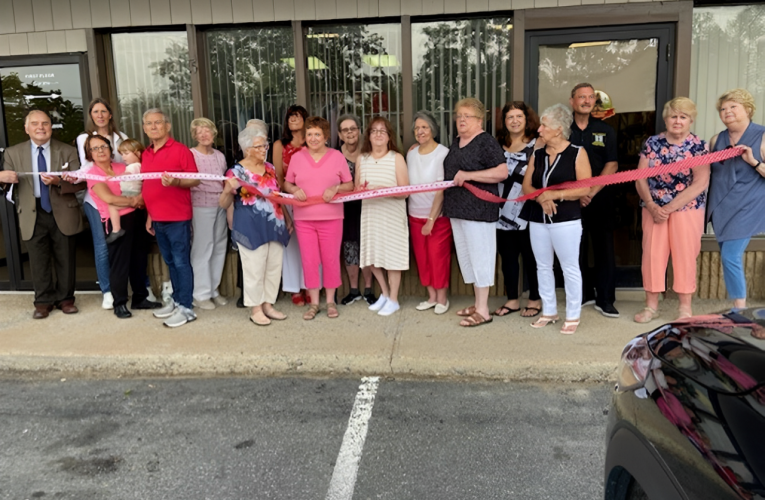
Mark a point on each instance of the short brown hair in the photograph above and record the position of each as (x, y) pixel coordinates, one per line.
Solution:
(130, 146)
(366, 148)
(583, 85)
(320, 123)
(89, 139)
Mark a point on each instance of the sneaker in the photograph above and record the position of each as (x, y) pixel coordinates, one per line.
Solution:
(190, 315)
(178, 318)
(370, 298)
(379, 303)
(350, 298)
(220, 300)
(607, 310)
(108, 302)
(167, 292)
(207, 305)
(151, 297)
(389, 308)
(165, 311)
(425, 305)
(587, 301)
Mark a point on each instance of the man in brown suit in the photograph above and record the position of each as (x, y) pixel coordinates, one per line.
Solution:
(49, 214)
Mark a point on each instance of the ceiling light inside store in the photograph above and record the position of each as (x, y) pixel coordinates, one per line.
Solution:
(323, 35)
(500, 26)
(588, 44)
(381, 61)
(314, 63)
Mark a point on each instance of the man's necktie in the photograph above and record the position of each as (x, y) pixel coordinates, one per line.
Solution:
(44, 192)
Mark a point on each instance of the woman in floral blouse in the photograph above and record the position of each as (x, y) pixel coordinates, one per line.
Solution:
(673, 209)
(261, 228)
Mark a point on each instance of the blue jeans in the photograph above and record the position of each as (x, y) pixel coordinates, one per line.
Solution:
(732, 256)
(99, 246)
(174, 240)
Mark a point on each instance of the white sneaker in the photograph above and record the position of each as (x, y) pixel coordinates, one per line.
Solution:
(440, 309)
(190, 315)
(108, 302)
(151, 297)
(379, 303)
(389, 308)
(206, 305)
(220, 300)
(425, 305)
(165, 311)
(167, 291)
(178, 318)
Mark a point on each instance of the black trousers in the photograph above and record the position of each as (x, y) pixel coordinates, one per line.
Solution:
(127, 259)
(598, 282)
(511, 244)
(50, 249)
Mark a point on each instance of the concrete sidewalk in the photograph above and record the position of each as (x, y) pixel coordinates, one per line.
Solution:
(410, 343)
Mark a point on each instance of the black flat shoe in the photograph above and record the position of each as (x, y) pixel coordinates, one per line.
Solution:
(240, 301)
(146, 304)
(122, 312)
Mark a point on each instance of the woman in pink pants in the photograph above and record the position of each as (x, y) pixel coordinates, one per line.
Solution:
(319, 171)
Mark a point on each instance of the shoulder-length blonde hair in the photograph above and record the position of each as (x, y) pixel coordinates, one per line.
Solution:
(741, 96)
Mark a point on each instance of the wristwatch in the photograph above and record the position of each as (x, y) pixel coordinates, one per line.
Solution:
(756, 166)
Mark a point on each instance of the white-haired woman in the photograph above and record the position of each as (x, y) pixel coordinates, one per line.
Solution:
(208, 222)
(431, 232)
(475, 157)
(260, 228)
(555, 219)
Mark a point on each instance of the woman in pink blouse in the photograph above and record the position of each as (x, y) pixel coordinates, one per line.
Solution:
(210, 230)
(319, 171)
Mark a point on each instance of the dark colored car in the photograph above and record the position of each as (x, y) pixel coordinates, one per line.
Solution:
(687, 420)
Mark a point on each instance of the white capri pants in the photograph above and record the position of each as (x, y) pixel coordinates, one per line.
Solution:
(561, 239)
(476, 245)
(261, 273)
(292, 265)
(209, 244)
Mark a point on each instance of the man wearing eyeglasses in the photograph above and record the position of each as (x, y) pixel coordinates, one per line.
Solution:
(168, 201)
(49, 213)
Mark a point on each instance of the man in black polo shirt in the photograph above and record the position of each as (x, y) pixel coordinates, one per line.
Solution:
(599, 140)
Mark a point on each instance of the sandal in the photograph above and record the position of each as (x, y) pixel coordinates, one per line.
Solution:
(684, 314)
(475, 319)
(260, 319)
(298, 300)
(468, 311)
(569, 327)
(504, 311)
(526, 309)
(544, 321)
(646, 315)
(311, 313)
(332, 310)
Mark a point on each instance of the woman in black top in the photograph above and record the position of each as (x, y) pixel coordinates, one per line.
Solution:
(476, 157)
(519, 138)
(555, 219)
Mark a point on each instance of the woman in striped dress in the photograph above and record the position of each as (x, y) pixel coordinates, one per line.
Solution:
(384, 227)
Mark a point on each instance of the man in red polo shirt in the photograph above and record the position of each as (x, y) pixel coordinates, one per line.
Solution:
(168, 201)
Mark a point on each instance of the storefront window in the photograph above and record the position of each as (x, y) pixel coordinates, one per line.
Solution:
(152, 71)
(728, 52)
(252, 75)
(356, 69)
(457, 59)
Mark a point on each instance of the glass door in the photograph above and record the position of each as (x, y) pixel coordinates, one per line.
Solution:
(631, 69)
(54, 84)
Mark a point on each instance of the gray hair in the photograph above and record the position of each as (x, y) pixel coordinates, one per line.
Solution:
(348, 116)
(247, 137)
(558, 116)
(430, 120)
(154, 111)
(257, 124)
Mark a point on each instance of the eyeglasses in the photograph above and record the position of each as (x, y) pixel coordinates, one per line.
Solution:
(99, 148)
(264, 147)
(349, 130)
(464, 117)
(158, 123)
(378, 131)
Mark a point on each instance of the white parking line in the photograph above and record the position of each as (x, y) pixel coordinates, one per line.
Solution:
(347, 465)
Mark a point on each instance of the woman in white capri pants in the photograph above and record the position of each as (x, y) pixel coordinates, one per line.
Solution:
(210, 230)
(555, 219)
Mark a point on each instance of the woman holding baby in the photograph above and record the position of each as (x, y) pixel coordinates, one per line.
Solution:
(127, 254)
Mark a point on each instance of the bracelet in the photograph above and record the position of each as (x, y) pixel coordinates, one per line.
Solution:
(756, 166)
(431, 218)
